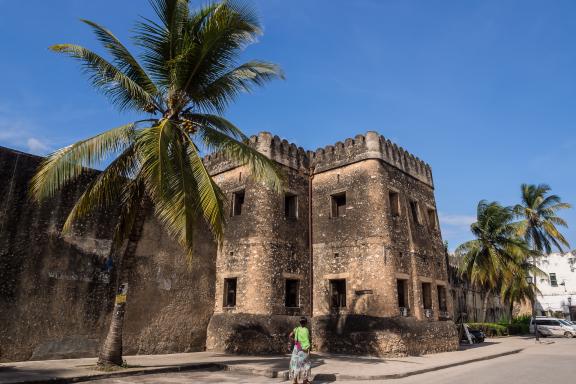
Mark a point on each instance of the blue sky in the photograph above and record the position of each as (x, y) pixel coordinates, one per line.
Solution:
(484, 91)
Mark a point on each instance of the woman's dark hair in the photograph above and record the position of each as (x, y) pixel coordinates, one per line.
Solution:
(303, 321)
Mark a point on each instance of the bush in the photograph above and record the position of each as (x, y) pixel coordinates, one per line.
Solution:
(524, 319)
(518, 329)
(490, 329)
(520, 325)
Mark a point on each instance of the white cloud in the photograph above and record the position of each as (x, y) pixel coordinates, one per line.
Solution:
(457, 220)
(455, 228)
(37, 146)
(17, 132)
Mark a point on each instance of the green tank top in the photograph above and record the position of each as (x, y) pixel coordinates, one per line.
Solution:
(302, 335)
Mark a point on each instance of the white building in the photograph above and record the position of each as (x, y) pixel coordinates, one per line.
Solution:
(558, 289)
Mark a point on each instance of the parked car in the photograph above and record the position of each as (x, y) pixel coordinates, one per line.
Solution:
(550, 326)
(476, 335)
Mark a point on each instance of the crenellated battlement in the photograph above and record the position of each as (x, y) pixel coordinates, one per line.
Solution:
(362, 147)
(275, 148)
(370, 146)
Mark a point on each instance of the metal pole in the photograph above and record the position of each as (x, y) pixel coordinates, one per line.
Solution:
(534, 307)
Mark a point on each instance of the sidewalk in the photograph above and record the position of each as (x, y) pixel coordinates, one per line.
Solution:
(325, 367)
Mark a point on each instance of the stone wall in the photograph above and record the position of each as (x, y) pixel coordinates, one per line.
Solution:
(56, 292)
(366, 245)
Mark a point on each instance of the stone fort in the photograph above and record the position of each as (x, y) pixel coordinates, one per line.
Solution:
(353, 243)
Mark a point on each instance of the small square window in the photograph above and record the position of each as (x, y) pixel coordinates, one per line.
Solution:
(432, 218)
(415, 209)
(427, 295)
(394, 200)
(237, 203)
(553, 280)
(290, 206)
(292, 294)
(339, 204)
(338, 293)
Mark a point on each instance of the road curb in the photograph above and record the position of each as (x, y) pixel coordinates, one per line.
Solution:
(108, 375)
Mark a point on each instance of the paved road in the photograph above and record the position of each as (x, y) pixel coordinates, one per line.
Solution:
(553, 363)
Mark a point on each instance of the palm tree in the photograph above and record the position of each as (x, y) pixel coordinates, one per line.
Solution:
(537, 212)
(495, 249)
(539, 219)
(514, 288)
(185, 76)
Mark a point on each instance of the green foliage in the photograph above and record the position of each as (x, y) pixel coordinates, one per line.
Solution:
(182, 82)
(496, 248)
(539, 219)
(518, 329)
(523, 319)
(490, 329)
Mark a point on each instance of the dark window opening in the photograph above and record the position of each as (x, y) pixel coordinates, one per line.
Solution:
(394, 199)
(402, 286)
(338, 293)
(427, 295)
(432, 218)
(442, 298)
(237, 203)
(230, 292)
(415, 212)
(339, 205)
(290, 206)
(292, 299)
(553, 281)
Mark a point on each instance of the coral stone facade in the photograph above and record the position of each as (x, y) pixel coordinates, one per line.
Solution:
(355, 237)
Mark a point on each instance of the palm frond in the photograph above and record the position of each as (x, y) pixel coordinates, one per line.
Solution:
(123, 59)
(68, 163)
(217, 94)
(123, 91)
(105, 190)
(261, 167)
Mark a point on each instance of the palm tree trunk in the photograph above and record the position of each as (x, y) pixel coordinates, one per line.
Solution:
(485, 306)
(111, 351)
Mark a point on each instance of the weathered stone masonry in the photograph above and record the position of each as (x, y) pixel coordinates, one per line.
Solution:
(379, 279)
(56, 292)
(364, 252)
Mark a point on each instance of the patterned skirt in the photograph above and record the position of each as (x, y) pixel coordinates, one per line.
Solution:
(300, 365)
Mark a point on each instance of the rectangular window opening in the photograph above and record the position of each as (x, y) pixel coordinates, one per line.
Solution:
(339, 204)
(290, 206)
(338, 293)
(442, 298)
(402, 286)
(553, 281)
(230, 292)
(292, 297)
(432, 218)
(427, 295)
(237, 203)
(415, 212)
(394, 199)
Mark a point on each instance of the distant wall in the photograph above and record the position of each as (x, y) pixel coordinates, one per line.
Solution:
(56, 293)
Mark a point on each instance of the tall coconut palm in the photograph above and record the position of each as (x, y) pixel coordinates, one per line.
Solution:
(185, 75)
(495, 249)
(537, 226)
(514, 287)
(539, 219)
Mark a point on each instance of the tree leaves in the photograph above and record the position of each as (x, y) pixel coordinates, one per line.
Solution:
(186, 75)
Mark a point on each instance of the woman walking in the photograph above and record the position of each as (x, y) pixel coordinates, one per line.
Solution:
(300, 366)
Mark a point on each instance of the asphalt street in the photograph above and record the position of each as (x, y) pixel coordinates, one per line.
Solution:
(547, 363)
